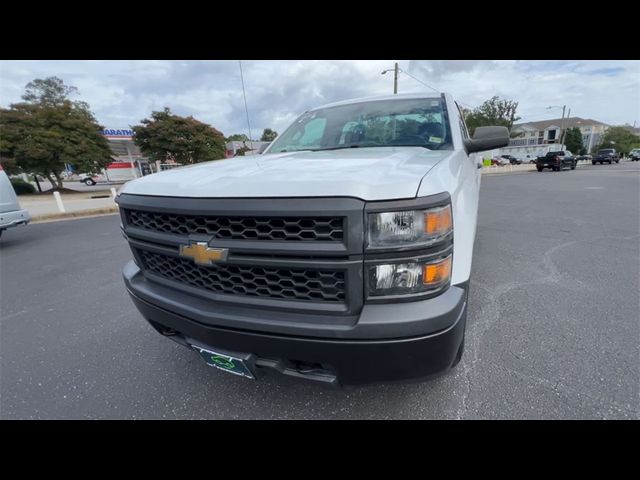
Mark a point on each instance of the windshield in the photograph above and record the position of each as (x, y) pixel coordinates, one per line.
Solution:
(605, 151)
(419, 122)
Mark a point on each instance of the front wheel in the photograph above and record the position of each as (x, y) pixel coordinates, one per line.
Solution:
(573, 166)
(88, 182)
(539, 169)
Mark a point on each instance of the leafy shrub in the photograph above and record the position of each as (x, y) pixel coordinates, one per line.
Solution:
(21, 187)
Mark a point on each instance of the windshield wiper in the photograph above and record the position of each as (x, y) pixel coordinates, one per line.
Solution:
(343, 147)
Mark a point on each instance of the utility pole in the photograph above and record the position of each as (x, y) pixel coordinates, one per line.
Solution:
(562, 130)
(562, 125)
(395, 79)
(396, 71)
(244, 95)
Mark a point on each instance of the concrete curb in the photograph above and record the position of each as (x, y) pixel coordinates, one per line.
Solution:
(49, 217)
(515, 172)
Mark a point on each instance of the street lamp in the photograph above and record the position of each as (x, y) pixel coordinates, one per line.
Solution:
(395, 77)
(397, 70)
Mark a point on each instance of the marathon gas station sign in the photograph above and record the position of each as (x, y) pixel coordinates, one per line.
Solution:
(113, 133)
(123, 150)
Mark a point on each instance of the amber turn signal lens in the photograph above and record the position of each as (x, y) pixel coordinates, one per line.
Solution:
(437, 221)
(436, 274)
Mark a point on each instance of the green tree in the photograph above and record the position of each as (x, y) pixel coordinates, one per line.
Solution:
(237, 137)
(48, 130)
(573, 140)
(183, 139)
(268, 135)
(621, 139)
(492, 112)
(241, 151)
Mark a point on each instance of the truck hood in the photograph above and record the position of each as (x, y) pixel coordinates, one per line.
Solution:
(380, 173)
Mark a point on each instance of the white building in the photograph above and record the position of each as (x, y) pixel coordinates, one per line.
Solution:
(537, 138)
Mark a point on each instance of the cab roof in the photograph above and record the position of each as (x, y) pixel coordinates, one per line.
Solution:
(401, 96)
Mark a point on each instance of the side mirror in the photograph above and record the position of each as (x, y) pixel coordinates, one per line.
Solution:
(487, 138)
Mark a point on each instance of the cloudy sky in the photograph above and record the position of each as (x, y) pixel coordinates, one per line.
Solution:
(121, 93)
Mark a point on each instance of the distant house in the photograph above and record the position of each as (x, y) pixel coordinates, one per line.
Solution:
(537, 136)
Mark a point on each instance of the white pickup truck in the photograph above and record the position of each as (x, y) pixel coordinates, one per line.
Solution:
(342, 254)
(11, 215)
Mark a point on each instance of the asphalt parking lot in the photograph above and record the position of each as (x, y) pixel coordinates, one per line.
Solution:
(553, 328)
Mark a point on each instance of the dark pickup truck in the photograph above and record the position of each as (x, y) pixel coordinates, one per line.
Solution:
(556, 161)
(608, 155)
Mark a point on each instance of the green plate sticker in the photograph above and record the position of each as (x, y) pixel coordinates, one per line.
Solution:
(225, 362)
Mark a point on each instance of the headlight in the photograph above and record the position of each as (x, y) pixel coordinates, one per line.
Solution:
(409, 227)
(409, 277)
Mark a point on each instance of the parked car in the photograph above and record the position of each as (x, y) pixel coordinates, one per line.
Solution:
(556, 161)
(91, 179)
(499, 161)
(634, 155)
(329, 262)
(511, 159)
(11, 215)
(608, 155)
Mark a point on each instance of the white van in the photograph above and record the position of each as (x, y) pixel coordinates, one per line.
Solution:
(11, 214)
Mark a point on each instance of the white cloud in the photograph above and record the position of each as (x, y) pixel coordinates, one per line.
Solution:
(121, 93)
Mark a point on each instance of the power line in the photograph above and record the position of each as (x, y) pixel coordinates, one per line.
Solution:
(245, 99)
(466, 105)
(420, 81)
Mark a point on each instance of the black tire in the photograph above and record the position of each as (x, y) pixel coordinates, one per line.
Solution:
(573, 166)
(89, 183)
(539, 168)
(609, 162)
(593, 163)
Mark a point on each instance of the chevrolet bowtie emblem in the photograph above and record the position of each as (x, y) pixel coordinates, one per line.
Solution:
(202, 254)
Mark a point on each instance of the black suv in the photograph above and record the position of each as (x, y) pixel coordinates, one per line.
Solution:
(608, 155)
(556, 161)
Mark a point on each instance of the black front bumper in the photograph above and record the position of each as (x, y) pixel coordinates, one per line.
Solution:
(344, 360)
